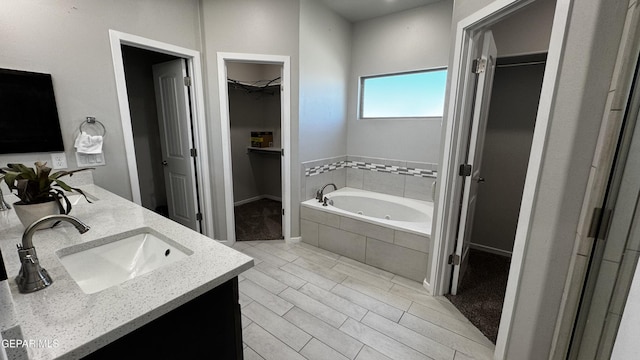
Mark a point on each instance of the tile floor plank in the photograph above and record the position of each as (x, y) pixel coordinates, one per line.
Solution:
(264, 280)
(377, 293)
(364, 276)
(283, 254)
(380, 342)
(264, 297)
(245, 320)
(368, 268)
(280, 275)
(321, 270)
(448, 322)
(334, 301)
(256, 253)
(319, 251)
(408, 337)
(447, 337)
(277, 326)
(334, 338)
(313, 256)
(438, 303)
(267, 345)
(249, 354)
(315, 350)
(309, 276)
(314, 307)
(368, 302)
(368, 353)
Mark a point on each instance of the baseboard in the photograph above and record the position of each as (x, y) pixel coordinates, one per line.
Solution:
(256, 198)
(490, 249)
(272, 197)
(295, 240)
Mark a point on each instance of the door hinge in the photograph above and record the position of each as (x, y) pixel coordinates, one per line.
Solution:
(282, 152)
(187, 81)
(465, 170)
(600, 222)
(194, 152)
(282, 211)
(479, 66)
(454, 259)
(199, 216)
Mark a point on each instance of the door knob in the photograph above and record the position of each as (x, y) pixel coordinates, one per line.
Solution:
(164, 163)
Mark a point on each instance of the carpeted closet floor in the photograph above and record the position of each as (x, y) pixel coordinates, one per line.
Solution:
(259, 220)
(481, 293)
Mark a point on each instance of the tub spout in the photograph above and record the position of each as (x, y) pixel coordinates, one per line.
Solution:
(320, 192)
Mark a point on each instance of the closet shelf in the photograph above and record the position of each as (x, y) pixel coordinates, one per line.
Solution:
(267, 150)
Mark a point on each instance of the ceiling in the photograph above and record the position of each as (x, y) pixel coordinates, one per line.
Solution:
(358, 10)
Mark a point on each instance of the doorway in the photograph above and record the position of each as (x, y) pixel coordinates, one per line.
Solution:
(455, 148)
(273, 153)
(193, 135)
(511, 120)
(254, 121)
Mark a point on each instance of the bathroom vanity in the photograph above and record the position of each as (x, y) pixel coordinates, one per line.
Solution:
(186, 308)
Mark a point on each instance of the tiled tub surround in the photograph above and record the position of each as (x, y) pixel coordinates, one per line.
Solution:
(408, 179)
(400, 247)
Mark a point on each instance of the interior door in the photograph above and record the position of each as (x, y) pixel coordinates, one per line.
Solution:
(485, 69)
(172, 101)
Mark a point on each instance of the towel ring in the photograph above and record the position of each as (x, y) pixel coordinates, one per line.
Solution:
(92, 121)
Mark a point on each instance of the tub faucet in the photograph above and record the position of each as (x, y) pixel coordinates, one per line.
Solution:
(32, 277)
(320, 192)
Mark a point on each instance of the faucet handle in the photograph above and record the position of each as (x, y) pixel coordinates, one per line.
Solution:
(28, 258)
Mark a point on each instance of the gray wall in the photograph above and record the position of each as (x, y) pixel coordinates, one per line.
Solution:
(414, 39)
(257, 27)
(325, 56)
(254, 175)
(512, 117)
(70, 40)
(527, 31)
(144, 121)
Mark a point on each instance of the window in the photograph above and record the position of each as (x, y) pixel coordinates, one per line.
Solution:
(415, 94)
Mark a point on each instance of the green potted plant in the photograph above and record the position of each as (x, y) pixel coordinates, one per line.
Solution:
(41, 192)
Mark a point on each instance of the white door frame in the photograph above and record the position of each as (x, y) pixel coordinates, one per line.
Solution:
(285, 113)
(194, 65)
(454, 152)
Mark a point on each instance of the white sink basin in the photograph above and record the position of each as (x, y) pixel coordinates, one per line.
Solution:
(110, 261)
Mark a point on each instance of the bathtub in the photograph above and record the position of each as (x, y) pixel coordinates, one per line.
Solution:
(385, 231)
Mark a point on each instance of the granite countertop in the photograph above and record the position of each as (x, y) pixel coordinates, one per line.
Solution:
(74, 323)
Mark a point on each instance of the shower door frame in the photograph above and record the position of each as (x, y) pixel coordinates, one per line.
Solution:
(454, 150)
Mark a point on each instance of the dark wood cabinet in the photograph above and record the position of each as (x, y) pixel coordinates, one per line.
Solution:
(207, 327)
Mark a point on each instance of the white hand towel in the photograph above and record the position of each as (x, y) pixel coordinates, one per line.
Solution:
(89, 144)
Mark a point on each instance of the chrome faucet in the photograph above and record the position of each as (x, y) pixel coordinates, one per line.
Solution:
(32, 277)
(320, 192)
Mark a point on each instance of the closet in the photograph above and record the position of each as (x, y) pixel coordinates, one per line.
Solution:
(255, 130)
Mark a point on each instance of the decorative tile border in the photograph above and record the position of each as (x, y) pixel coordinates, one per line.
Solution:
(392, 169)
(316, 170)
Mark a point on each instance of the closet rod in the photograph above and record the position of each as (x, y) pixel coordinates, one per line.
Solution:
(521, 64)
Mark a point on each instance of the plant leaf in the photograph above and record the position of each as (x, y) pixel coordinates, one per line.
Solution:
(59, 174)
(25, 172)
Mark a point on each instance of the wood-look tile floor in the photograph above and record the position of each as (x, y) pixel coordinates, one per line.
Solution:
(302, 302)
